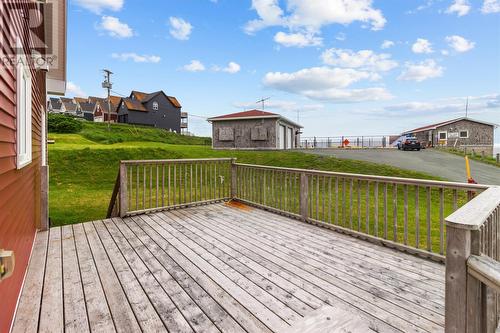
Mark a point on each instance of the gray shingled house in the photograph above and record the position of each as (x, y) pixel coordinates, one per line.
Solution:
(54, 105)
(156, 109)
(254, 129)
(461, 133)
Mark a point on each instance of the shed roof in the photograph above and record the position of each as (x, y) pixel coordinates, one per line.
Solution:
(87, 107)
(252, 114)
(55, 103)
(134, 105)
(444, 123)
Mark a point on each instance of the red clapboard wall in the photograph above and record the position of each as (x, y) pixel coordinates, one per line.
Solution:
(19, 189)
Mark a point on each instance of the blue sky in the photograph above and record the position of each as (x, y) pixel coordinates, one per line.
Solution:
(343, 67)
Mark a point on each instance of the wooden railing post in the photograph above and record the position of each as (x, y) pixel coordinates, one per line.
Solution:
(304, 195)
(234, 179)
(123, 190)
(476, 293)
(458, 250)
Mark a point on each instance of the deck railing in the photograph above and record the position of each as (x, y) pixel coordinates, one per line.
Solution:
(472, 265)
(408, 214)
(152, 185)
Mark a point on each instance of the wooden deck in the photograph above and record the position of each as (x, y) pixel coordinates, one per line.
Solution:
(224, 268)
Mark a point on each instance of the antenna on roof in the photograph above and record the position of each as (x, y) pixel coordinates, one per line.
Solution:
(263, 101)
(467, 107)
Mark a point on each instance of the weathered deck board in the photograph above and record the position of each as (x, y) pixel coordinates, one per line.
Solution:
(220, 268)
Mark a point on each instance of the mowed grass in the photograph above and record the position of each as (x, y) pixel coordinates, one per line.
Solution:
(83, 171)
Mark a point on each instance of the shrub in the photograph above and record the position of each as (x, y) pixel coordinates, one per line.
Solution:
(59, 123)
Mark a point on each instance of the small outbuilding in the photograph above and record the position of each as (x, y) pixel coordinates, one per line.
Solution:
(254, 129)
(461, 133)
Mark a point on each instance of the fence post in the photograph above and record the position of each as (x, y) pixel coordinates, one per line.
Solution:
(458, 250)
(476, 293)
(304, 196)
(234, 179)
(123, 190)
(498, 157)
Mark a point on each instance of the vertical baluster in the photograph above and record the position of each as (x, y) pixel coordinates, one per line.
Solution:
(296, 194)
(196, 184)
(285, 189)
(429, 244)
(395, 212)
(150, 186)
(144, 187)
(375, 221)
(386, 185)
(157, 184)
(344, 202)
(417, 216)
(336, 200)
(317, 197)
(311, 192)
(215, 181)
(290, 192)
(323, 195)
(351, 201)
(455, 200)
(130, 184)
(329, 199)
(169, 182)
(441, 220)
(273, 190)
(190, 183)
(367, 203)
(137, 187)
(174, 194)
(163, 185)
(358, 191)
(185, 182)
(405, 199)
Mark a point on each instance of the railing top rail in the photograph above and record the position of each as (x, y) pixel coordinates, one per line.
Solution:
(188, 160)
(475, 213)
(397, 180)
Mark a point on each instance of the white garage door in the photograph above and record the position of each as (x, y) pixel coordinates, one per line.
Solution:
(281, 139)
(289, 136)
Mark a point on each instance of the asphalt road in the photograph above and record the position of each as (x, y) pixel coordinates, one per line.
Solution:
(441, 164)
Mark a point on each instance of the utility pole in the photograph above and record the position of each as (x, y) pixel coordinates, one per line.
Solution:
(108, 85)
(467, 107)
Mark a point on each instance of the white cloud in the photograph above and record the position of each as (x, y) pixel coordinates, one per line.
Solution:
(387, 44)
(421, 71)
(179, 28)
(115, 28)
(422, 46)
(364, 59)
(194, 66)
(97, 6)
(460, 7)
(232, 68)
(460, 44)
(73, 90)
(491, 6)
(324, 83)
(297, 39)
(312, 15)
(136, 57)
(341, 36)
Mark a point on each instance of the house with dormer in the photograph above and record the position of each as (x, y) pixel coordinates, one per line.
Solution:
(153, 109)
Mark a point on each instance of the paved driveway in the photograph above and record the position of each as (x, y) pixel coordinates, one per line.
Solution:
(449, 166)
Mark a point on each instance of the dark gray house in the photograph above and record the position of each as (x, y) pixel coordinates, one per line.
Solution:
(461, 133)
(156, 109)
(54, 105)
(254, 129)
(87, 110)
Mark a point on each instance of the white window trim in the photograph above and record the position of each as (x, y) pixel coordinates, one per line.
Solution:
(445, 133)
(23, 75)
(463, 137)
(155, 106)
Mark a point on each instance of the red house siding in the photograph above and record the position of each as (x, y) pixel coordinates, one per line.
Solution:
(20, 194)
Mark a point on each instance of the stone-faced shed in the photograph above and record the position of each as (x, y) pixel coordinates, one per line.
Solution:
(254, 129)
(461, 133)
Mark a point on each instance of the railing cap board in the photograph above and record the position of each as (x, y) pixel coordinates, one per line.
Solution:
(386, 179)
(475, 213)
(190, 160)
(486, 270)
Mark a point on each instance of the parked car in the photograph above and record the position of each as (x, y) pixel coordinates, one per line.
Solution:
(409, 144)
